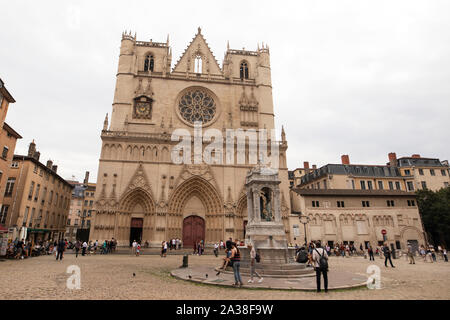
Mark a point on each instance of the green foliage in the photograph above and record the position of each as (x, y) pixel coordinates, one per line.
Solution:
(434, 207)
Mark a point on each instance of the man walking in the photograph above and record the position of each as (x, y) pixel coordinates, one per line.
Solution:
(410, 254)
(320, 259)
(61, 248)
(83, 252)
(77, 248)
(370, 250)
(387, 255)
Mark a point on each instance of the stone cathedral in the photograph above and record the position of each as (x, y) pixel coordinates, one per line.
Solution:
(141, 193)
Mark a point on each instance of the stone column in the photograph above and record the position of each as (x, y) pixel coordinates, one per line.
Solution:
(276, 203)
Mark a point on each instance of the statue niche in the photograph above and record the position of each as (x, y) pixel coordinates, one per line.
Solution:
(265, 199)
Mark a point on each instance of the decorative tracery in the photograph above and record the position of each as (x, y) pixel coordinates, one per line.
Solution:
(197, 105)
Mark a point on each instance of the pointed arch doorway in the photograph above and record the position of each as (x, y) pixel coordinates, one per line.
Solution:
(193, 230)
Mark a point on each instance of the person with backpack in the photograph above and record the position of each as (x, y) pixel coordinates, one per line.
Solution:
(320, 259)
(254, 258)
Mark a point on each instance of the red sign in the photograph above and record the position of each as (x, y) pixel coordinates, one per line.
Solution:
(383, 232)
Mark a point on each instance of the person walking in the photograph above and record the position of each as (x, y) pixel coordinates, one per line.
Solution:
(216, 249)
(387, 255)
(77, 248)
(444, 253)
(253, 264)
(320, 259)
(61, 248)
(370, 251)
(410, 254)
(134, 245)
(236, 258)
(83, 252)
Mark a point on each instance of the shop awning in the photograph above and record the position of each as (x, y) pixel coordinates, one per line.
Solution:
(3, 229)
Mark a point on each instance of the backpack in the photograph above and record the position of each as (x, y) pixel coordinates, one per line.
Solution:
(257, 257)
(302, 256)
(323, 262)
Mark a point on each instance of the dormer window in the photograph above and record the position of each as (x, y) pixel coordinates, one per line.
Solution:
(149, 63)
(244, 70)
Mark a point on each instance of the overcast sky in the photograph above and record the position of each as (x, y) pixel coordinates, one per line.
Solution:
(363, 78)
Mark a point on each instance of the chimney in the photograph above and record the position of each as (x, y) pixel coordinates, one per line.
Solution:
(32, 149)
(314, 167)
(55, 168)
(415, 156)
(306, 165)
(392, 159)
(345, 159)
(49, 164)
(36, 155)
(86, 178)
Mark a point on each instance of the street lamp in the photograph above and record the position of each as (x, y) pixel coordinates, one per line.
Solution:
(304, 219)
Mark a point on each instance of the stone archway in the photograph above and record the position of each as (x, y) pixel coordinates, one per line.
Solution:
(208, 201)
(136, 208)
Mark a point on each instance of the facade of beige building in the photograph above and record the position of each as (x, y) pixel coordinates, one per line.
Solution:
(353, 203)
(8, 139)
(141, 193)
(37, 198)
(81, 206)
(424, 173)
(358, 217)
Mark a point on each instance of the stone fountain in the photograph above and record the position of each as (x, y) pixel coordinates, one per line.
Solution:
(265, 228)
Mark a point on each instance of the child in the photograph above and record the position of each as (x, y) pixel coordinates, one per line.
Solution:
(138, 248)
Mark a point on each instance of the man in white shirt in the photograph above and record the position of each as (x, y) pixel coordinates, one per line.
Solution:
(134, 246)
(84, 248)
(318, 253)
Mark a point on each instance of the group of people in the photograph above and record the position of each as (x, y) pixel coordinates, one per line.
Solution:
(22, 249)
(233, 259)
(430, 254)
(108, 246)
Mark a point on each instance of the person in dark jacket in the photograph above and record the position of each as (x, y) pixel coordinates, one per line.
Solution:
(61, 248)
(387, 255)
(370, 251)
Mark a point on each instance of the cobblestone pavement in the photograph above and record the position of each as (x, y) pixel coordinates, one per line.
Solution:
(111, 277)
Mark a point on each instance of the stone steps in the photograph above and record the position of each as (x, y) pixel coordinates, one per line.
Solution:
(291, 274)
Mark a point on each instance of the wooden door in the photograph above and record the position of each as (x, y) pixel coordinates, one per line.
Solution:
(193, 231)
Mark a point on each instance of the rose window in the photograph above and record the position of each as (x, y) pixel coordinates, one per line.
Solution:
(197, 105)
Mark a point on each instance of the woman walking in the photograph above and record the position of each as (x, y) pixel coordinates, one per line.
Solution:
(236, 258)
(77, 248)
(252, 264)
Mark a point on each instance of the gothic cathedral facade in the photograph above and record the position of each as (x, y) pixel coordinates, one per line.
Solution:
(142, 194)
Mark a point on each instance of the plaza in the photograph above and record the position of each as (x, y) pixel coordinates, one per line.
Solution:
(111, 277)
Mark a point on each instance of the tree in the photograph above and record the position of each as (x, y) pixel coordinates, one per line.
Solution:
(434, 208)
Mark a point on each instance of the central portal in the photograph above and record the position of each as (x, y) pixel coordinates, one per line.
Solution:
(193, 231)
(136, 230)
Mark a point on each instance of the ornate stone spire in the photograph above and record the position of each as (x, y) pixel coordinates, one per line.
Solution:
(283, 134)
(105, 123)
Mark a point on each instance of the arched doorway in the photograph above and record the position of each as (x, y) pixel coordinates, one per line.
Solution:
(197, 197)
(136, 230)
(193, 230)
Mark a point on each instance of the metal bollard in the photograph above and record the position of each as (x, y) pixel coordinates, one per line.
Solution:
(185, 261)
